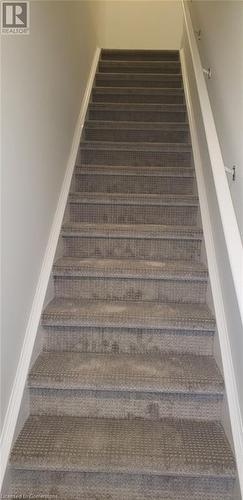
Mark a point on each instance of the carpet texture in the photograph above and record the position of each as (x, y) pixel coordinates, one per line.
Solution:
(126, 397)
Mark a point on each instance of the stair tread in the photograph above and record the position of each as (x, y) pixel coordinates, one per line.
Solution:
(130, 268)
(111, 124)
(128, 314)
(138, 63)
(153, 231)
(133, 199)
(133, 170)
(137, 106)
(129, 493)
(137, 90)
(115, 492)
(136, 146)
(168, 372)
(133, 446)
(148, 76)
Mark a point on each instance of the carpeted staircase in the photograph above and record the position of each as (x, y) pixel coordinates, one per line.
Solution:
(126, 397)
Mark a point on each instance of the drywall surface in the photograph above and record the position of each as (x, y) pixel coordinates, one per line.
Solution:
(43, 77)
(231, 335)
(146, 24)
(220, 48)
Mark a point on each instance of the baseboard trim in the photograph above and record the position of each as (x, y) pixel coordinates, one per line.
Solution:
(228, 368)
(12, 413)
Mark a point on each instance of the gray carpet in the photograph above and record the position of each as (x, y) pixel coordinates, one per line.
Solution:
(126, 397)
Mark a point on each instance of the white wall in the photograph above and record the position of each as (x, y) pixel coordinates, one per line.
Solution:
(43, 77)
(230, 333)
(140, 24)
(227, 285)
(221, 23)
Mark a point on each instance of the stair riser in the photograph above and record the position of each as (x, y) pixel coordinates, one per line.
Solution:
(133, 214)
(156, 81)
(137, 135)
(138, 115)
(98, 486)
(135, 158)
(111, 404)
(138, 98)
(132, 248)
(140, 67)
(139, 55)
(127, 340)
(131, 289)
(134, 184)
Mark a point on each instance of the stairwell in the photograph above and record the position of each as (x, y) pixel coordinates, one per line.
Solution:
(126, 397)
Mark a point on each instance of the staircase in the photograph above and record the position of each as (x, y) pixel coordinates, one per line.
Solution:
(126, 397)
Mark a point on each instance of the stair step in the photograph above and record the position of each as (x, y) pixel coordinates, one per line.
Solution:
(148, 126)
(112, 279)
(111, 178)
(140, 241)
(135, 153)
(125, 386)
(135, 199)
(144, 314)
(150, 171)
(137, 106)
(139, 55)
(138, 95)
(164, 373)
(124, 268)
(160, 67)
(168, 80)
(137, 112)
(130, 446)
(118, 131)
(125, 208)
(41, 484)
(128, 340)
(146, 231)
(136, 146)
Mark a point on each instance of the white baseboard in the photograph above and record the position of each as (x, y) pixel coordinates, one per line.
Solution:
(37, 306)
(228, 367)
